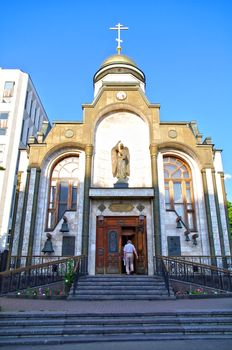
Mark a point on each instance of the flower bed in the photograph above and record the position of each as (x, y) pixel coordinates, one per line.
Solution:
(53, 291)
(185, 290)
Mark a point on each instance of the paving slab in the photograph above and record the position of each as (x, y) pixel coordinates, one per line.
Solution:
(109, 306)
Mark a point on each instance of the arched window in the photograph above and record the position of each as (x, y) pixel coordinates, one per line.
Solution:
(63, 190)
(179, 190)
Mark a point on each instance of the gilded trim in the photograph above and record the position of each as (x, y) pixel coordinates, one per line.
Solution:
(156, 202)
(86, 204)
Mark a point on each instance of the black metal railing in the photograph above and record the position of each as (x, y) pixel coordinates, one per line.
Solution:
(221, 261)
(3, 260)
(80, 269)
(161, 270)
(193, 272)
(38, 275)
(20, 261)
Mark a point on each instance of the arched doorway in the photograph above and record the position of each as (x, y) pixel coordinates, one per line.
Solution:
(112, 234)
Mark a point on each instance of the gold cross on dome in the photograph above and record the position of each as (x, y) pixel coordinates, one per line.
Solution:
(119, 27)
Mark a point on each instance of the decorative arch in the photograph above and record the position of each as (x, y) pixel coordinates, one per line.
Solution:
(62, 149)
(126, 127)
(120, 107)
(183, 148)
(178, 183)
(63, 187)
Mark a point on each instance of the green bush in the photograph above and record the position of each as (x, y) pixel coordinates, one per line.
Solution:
(69, 276)
(229, 207)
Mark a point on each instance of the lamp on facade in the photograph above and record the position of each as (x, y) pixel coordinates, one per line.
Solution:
(141, 219)
(141, 223)
(194, 238)
(178, 222)
(48, 248)
(100, 219)
(64, 226)
(187, 236)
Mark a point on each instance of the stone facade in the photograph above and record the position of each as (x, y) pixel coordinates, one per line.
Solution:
(121, 111)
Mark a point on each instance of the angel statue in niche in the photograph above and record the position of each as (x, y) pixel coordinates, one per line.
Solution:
(120, 157)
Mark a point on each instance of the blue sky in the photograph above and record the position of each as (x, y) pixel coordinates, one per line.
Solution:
(184, 48)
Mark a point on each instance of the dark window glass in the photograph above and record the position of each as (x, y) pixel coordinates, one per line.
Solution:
(112, 242)
(61, 210)
(8, 89)
(74, 197)
(3, 115)
(2, 131)
(64, 192)
(26, 100)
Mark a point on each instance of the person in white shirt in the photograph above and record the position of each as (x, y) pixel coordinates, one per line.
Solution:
(129, 251)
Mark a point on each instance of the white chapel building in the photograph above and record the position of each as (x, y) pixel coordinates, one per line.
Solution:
(119, 174)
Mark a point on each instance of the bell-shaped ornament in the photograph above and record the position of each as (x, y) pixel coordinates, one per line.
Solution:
(64, 226)
(48, 248)
(178, 222)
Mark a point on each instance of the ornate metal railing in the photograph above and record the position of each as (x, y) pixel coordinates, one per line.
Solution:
(39, 274)
(21, 261)
(193, 272)
(80, 269)
(221, 261)
(161, 269)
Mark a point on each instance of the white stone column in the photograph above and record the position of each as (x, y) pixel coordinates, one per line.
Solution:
(213, 212)
(163, 213)
(156, 201)
(222, 204)
(86, 204)
(219, 176)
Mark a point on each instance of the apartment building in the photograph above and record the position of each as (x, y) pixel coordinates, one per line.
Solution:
(22, 116)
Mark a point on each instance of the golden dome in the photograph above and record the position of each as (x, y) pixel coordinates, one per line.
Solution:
(118, 64)
(118, 59)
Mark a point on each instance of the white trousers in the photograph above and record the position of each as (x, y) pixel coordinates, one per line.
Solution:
(129, 262)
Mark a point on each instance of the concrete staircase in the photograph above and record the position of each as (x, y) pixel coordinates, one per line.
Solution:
(120, 287)
(59, 328)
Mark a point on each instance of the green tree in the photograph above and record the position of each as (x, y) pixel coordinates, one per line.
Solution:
(229, 207)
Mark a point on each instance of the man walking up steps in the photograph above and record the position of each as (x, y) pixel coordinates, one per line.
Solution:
(129, 251)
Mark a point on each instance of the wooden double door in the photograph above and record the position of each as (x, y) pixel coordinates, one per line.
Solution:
(112, 235)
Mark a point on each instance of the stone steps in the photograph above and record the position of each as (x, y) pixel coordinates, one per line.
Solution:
(120, 287)
(89, 321)
(131, 286)
(120, 297)
(33, 341)
(129, 291)
(119, 329)
(57, 328)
